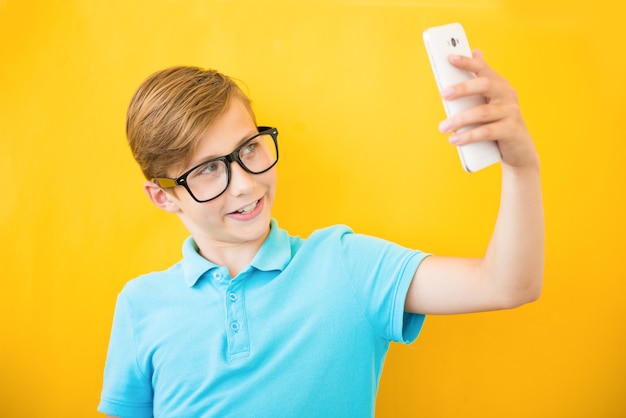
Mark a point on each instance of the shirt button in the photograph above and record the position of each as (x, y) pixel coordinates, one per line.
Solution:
(217, 275)
(234, 326)
(233, 297)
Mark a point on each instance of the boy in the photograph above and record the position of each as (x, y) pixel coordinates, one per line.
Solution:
(256, 323)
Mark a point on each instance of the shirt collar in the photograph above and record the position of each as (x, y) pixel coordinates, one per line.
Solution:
(274, 254)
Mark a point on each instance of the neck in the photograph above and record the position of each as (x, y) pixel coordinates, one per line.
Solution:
(234, 256)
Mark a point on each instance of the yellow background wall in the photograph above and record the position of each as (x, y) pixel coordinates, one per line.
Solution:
(348, 85)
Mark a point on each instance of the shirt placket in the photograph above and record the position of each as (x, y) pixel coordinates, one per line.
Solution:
(236, 320)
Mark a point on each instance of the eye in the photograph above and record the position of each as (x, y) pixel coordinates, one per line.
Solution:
(210, 168)
(249, 148)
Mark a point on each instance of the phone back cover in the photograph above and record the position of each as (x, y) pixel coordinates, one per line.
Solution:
(442, 41)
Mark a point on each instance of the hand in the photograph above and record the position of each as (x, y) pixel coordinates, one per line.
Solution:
(500, 118)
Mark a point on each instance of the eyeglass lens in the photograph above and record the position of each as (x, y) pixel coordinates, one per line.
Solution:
(211, 178)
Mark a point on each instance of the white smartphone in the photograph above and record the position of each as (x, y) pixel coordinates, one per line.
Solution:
(440, 42)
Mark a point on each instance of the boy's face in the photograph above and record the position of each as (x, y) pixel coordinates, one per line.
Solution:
(241, 215)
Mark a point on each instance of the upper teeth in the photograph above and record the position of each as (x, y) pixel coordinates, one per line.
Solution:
(248, 208)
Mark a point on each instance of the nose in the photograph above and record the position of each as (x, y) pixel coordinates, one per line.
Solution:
(241, 182)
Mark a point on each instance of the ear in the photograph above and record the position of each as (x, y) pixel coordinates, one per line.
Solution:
(160, 197)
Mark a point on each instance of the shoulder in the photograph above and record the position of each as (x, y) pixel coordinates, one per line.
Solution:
(320, 238)
(330, 233)
(327, 238)
(341, 242)
(155, 282)
(345, 237)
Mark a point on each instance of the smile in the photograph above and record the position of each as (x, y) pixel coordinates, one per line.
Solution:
(249, 208)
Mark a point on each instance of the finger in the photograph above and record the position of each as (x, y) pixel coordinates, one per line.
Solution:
(474, 86)
(476, 115)
(478, 54)
(490, 88)
(477, 133)
(505, 130)
(475, 64)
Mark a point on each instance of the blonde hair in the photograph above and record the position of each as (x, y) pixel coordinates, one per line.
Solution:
(171, 110)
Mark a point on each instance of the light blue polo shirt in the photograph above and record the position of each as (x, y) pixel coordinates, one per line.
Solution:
(302, 332)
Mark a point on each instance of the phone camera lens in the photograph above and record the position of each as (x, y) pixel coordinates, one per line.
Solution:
(453, 41)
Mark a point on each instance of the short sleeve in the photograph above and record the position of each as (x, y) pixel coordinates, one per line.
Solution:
(127, 391)
(380, 273)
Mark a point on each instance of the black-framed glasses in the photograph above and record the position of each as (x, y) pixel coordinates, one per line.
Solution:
(209, 179)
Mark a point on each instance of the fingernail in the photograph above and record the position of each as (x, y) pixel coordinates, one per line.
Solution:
(445, 126)
(455, 139)
(447, 92)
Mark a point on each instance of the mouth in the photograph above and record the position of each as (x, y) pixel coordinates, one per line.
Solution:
(248, 211)
(248, 208)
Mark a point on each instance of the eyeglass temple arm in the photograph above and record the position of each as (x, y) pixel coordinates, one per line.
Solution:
(164, 182)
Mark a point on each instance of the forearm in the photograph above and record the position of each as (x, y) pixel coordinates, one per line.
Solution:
(514, 259)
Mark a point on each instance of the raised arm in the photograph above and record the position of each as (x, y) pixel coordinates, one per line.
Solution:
(511, 271)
